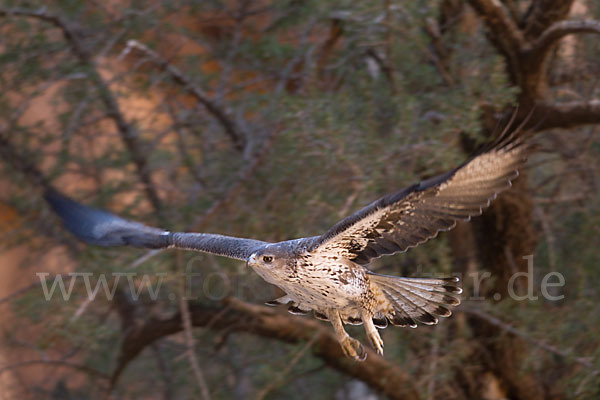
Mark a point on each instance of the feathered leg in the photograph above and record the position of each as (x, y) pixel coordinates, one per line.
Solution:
(372, 332)
(350, 346)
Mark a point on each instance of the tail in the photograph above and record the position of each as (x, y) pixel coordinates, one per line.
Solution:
(416, 299)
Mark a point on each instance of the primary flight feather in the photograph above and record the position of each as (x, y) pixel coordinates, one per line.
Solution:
(326, 274)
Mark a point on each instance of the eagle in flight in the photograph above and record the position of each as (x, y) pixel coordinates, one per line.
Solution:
(327, 274)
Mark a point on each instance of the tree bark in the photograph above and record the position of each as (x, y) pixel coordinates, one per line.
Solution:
(237, 316)
(504, 234)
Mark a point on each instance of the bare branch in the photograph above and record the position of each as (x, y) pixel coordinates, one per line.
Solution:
(440, 53)
(243, 176)
(506, 33)
(525, 43)
(189, 335)
(165, 372)
(226, 197)
(54, 364)
(550, 238)
(543, 13)
(128, 133)
(561, 29)
(503, 33)
(20, 162)
(268, 322)
(279, 381)
(534, 341)
(19, 292)
(41, 14)
(566, 115)
(222, 114)
(561, 199)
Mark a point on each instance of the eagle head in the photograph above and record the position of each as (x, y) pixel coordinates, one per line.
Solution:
(269, 261)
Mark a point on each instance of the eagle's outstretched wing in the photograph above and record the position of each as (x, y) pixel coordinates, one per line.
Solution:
(105, 229)
(417, 213)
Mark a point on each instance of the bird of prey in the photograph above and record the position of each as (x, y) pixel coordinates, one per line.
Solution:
(327, 274)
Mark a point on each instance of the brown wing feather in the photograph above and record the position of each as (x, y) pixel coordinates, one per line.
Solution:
(416, 214)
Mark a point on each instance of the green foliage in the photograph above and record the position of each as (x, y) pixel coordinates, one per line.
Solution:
(344, 133)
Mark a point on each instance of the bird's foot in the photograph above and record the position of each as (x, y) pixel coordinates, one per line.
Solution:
(376, 342)
(354, 349)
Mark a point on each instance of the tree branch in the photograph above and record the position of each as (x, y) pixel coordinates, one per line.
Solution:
(542, 14)
(503, 33)
(186, 320)
(128, 133)
(223, 115)
(280, 379)
(380, 374)
(536, 342)
(256, 161)
(566, 115)
(20, 162)
(41, 14)
(165, 372)
(54, 364)
(561, 29)
(504, 30)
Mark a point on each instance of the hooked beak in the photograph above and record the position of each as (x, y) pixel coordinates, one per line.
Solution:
(251, 261)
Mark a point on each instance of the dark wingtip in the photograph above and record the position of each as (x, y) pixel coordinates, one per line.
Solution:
(70, 212)
(320, 316)
(442, 311)
(297, 310)
(101, 228)
(67, 208)
(402, 321)
(56, 200)
(354, 321)
(81, 220)
(427, 319)
(380, 323)
(452, 289)
(451, 300)
(451, 279)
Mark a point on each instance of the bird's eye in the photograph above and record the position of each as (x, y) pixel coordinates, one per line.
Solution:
(267, 259)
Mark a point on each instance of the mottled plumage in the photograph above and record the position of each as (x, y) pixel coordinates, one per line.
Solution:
(326, 274)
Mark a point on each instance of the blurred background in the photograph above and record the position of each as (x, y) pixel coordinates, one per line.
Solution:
(273, 120)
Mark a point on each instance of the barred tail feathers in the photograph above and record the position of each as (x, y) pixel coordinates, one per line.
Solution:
(415, 300)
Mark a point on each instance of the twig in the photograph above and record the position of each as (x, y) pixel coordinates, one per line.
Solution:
(540, 15)
(243, 176)
(222, 114)
(384, 376)
(550, 239)
(187, 159)
(19, 292)
(81, 309)
(189, 335)
(439, 56)
(165, 373)
(561, 199)
(20, 162)
(435, 347)
(287, 71)
(536, 342)
(128, 133)
(145, 257)
(78, 367)
(561, 29)
(389, 45)
(275, 383)
(506, 33)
